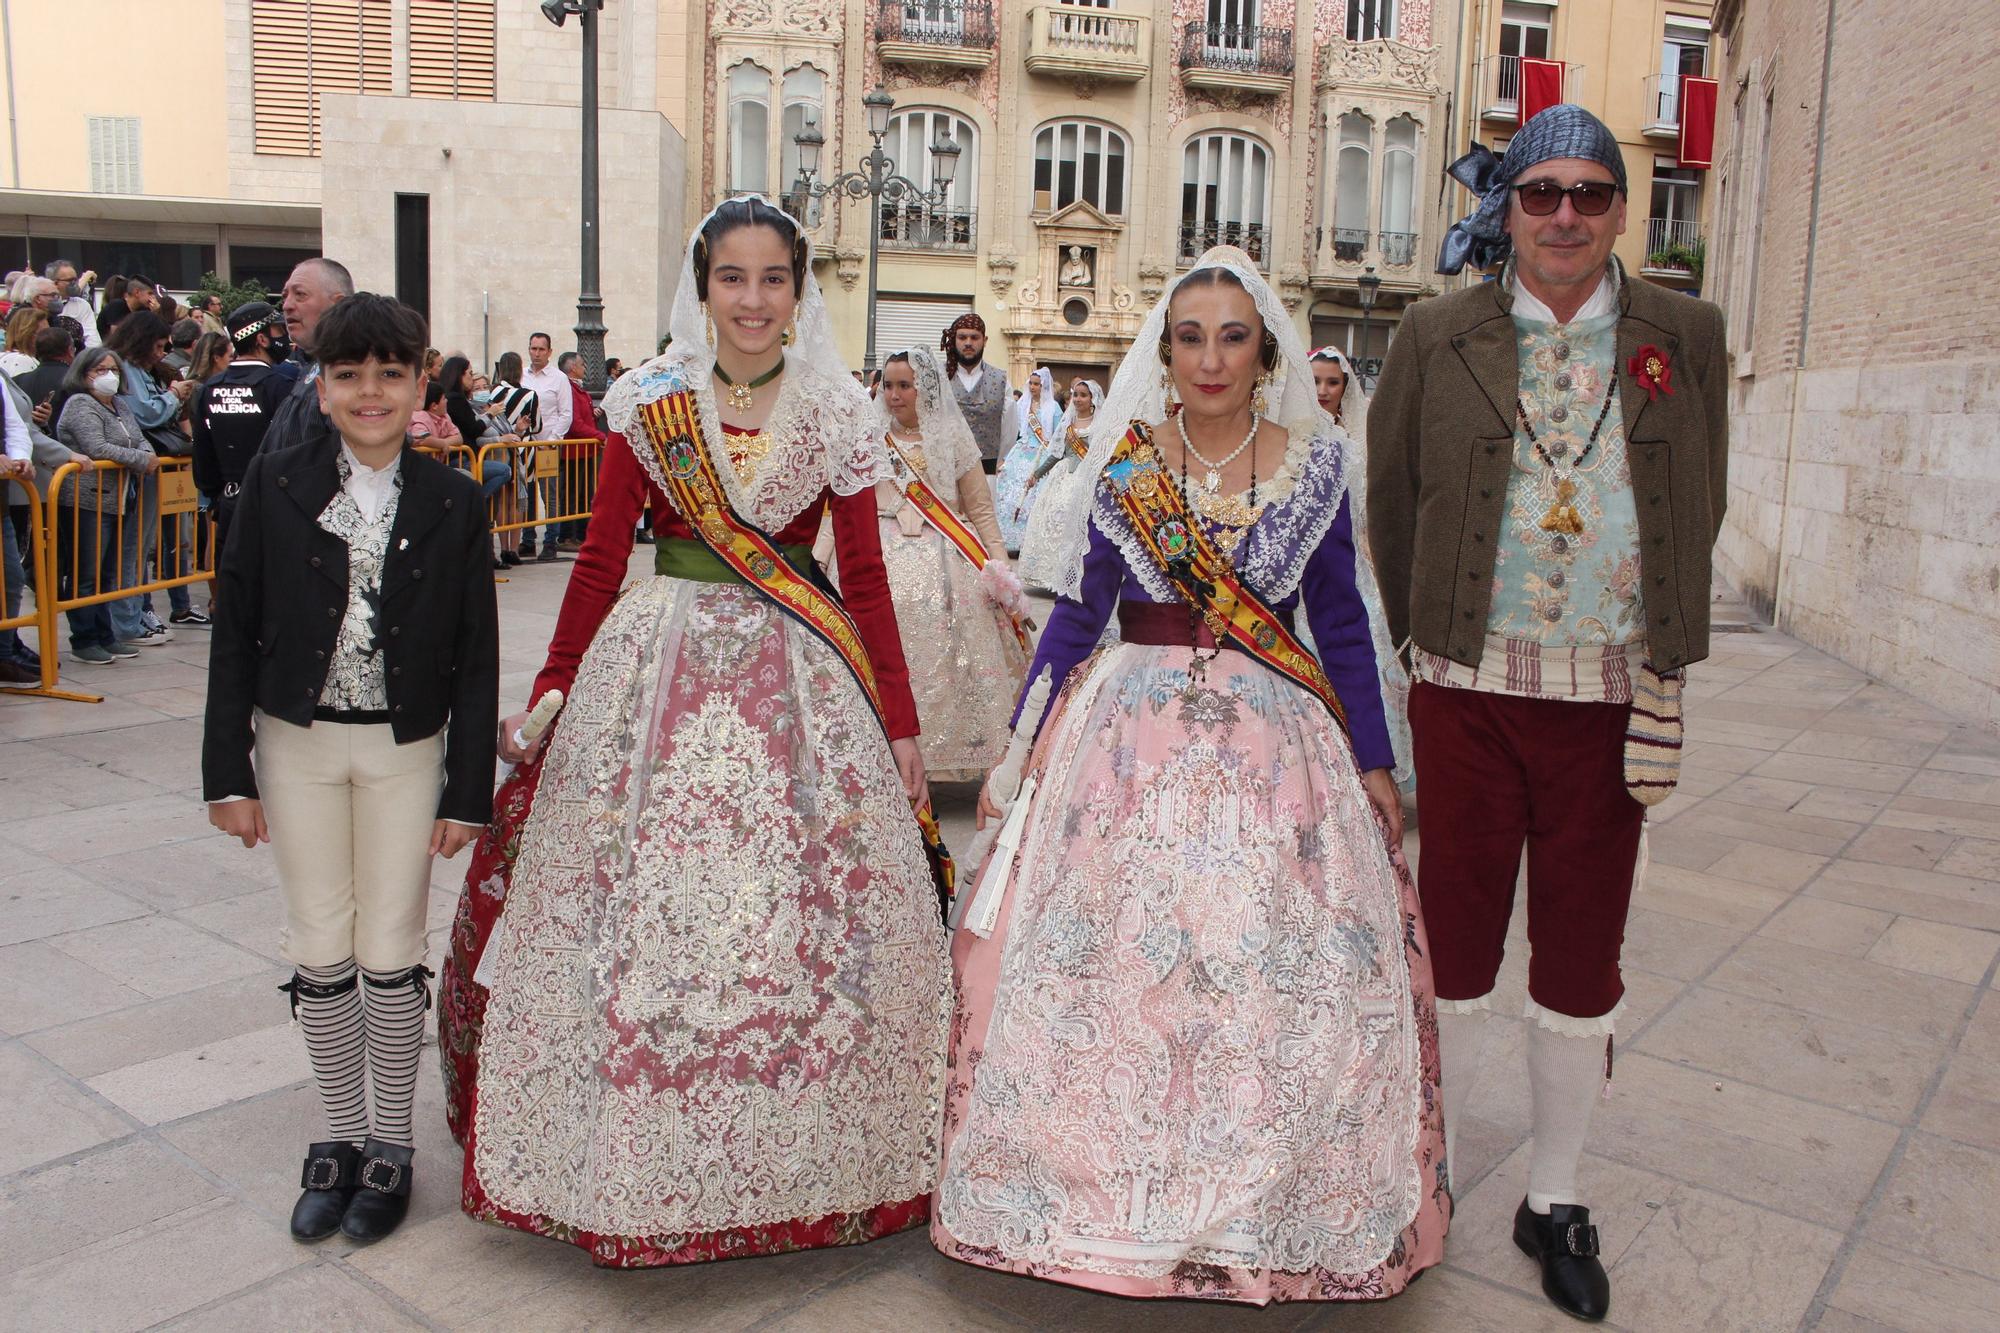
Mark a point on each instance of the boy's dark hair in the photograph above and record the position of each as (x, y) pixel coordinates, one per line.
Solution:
(365, 325)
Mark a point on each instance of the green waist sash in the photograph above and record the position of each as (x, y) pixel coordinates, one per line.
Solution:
(684, 558)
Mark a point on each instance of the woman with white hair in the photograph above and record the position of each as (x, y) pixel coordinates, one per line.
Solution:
(1195, 1049)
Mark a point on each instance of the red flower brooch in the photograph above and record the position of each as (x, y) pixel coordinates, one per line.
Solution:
(1650, 367)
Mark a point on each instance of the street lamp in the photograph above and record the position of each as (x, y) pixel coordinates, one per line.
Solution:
(1369, 286)
(876, 180)
(589, 303)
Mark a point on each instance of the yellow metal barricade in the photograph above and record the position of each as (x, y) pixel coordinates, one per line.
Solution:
(39, 579)
(453, 453)
(144, 510)
(549, 482)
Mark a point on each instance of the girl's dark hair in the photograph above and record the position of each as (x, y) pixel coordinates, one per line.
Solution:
(736, 214)
(364, 325)
(451, 375)
(1217, 277)
(893, 357)
(508, 368)
(134, 336)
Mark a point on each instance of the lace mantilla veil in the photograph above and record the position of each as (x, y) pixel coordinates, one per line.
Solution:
(819, 409)
(948, 442)
(1137, 394)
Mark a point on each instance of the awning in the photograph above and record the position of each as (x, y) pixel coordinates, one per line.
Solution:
(60, 205)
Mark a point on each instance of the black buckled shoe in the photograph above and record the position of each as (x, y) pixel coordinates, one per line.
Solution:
(1564, 1243)
(331, 1172)
(383, 1195)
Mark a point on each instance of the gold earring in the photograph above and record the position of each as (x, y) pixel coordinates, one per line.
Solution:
(708, 326)
(1257, 395)
(1167, 383)
(791, 333)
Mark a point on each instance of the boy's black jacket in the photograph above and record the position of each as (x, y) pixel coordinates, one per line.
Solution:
(283, 592)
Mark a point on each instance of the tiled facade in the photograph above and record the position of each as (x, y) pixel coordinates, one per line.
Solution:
(1864, 506)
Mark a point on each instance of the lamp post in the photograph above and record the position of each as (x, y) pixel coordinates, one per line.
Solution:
(876, 180)
(1369, 286)
(589, 302)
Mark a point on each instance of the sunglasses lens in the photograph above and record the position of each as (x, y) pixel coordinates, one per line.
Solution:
(1592, 198)
(1540, 199)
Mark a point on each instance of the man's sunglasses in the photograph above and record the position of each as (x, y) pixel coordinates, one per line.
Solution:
(1590, 198)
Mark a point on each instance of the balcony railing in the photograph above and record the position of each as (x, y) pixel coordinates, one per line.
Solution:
(1349, 244)
(1231, 56)
(1674, 245)
(1399, 248)
(1073, 41)
(1251, 237)
(937, 31)
(907, 227)
(1663, 104)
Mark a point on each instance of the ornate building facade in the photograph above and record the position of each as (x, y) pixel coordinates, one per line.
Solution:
(1104, 146)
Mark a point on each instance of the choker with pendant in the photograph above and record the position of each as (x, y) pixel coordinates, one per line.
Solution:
(740, 394)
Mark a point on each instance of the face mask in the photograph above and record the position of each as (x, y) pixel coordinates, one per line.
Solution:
(105, 384)
(281, 343)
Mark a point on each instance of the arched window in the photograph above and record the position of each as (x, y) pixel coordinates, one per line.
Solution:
(1399, 190)
(1225, 195)
(804, 103)
(908, 142)
(1075, 159)
(749, 127)
(1350, 186)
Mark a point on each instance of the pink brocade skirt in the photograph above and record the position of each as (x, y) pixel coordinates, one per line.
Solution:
(1197, 1057)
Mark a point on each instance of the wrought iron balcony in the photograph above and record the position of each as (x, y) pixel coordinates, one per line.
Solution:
(1075, 42)
(1674, 248)
(1243, 59)
(917, 228)
(935, 32)
(1253, 238)
(1399, 248)
(1350, 244)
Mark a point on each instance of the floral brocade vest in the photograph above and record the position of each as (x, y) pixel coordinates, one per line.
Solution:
(1566, 571)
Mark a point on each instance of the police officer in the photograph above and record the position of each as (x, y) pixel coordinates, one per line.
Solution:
(233, 410)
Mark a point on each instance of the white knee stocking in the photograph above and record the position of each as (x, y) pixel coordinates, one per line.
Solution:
(1565, 1074)
(1461, 1049)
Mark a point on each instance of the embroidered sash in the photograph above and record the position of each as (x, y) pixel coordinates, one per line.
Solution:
(673, 431)
(1158, 513)
(952, 528)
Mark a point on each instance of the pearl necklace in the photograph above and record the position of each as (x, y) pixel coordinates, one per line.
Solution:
(1213, 481)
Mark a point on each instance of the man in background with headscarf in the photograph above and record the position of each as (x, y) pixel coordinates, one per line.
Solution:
(981, 389)
(1546, 464)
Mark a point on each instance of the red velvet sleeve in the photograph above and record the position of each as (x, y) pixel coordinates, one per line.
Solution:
(600, 566)
(864, 589)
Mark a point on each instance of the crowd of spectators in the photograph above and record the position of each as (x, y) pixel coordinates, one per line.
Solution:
(127, 375)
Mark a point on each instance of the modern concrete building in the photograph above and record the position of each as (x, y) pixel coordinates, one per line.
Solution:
(1853, 190)
(431, 145)
(1103, 148)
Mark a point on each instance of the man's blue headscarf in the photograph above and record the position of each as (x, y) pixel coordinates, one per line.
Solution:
(1563, 130)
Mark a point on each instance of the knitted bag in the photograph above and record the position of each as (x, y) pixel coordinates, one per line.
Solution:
(1653, 735)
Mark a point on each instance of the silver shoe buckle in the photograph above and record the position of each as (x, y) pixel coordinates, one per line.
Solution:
(315, 1181)
(368, 1175)
(1580, 1240)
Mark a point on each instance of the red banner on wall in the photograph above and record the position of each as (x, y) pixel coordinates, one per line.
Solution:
(1698, 121)
(1541, 86)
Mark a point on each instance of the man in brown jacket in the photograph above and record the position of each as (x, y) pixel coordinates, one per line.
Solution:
(1546, 463)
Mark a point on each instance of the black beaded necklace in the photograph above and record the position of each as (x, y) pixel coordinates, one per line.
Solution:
(1528, 426)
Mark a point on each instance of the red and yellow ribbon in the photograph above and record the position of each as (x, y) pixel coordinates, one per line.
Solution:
(1158, 513)
(953, 529)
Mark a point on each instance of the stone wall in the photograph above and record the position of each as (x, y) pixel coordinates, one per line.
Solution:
(505, 214)
(1864, 500)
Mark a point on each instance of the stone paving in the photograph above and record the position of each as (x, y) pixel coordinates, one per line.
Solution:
(1804, 1131)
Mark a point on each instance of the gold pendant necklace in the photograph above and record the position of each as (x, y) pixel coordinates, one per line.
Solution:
(742, 397)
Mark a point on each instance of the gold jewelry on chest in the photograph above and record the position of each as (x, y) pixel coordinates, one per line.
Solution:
(747, 452)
